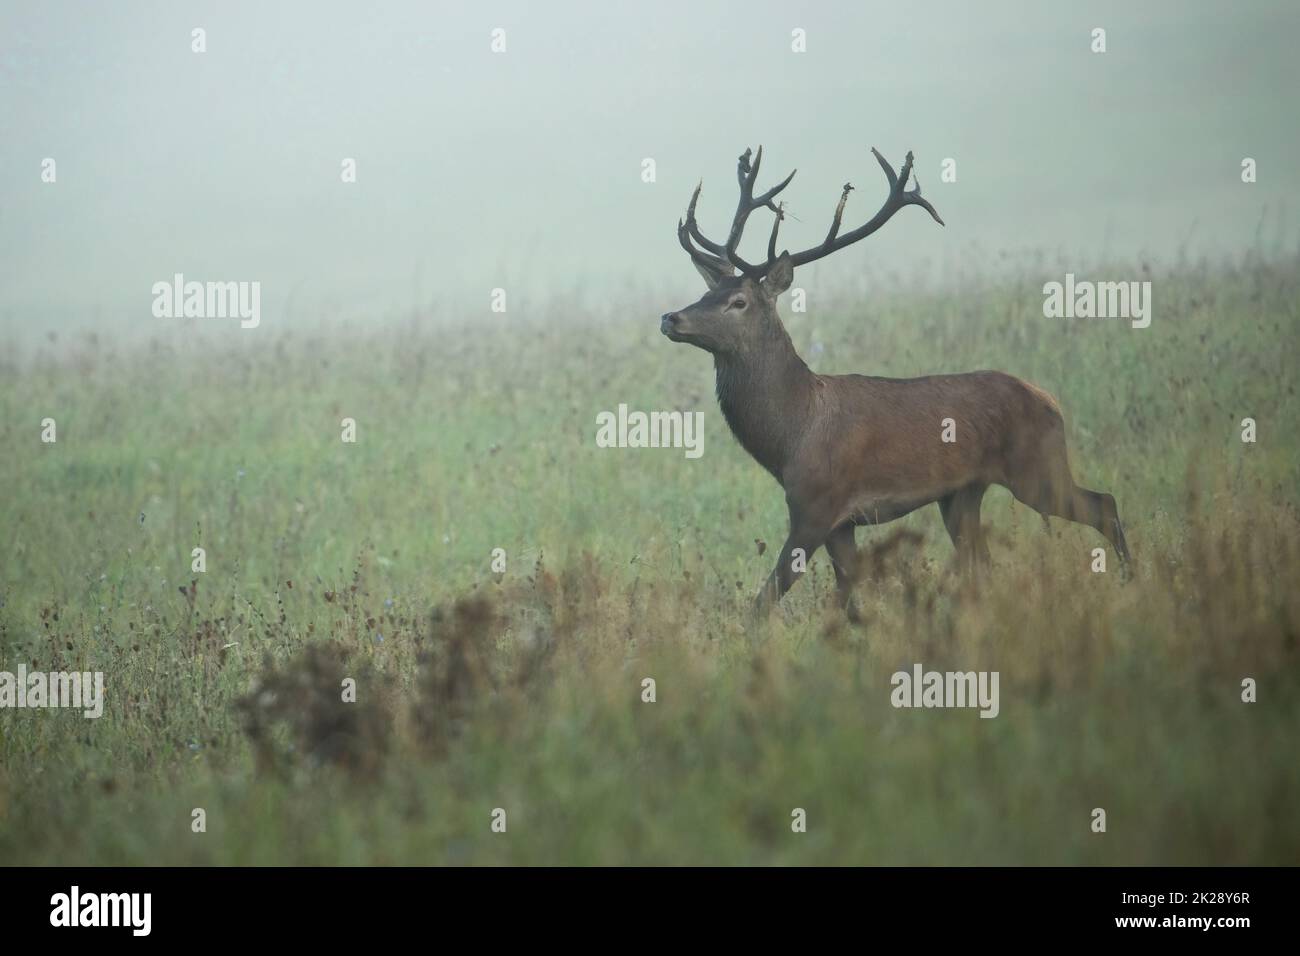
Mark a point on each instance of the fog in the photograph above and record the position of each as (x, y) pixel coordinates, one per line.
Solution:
(524, 169)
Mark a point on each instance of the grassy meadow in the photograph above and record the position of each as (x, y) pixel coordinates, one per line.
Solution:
(522, 690)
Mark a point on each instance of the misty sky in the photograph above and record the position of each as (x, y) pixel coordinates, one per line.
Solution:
(523, 169)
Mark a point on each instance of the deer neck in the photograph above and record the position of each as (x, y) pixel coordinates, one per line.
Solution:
(765, 393)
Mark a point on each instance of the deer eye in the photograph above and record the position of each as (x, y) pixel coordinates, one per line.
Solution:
(737, 303)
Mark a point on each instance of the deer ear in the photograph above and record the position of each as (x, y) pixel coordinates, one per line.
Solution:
(780, 276)
(713, 277)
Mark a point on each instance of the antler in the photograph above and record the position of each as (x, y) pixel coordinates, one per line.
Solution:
(899, 196)
(724, 258)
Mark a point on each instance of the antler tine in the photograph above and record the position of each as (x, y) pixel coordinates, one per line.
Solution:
(889, 170)
(899, 196)
(703, 258)
(914, 198)
(779, 209)
(839, 212)
(695, 197)
(694, 227)
(745, 174)
(911, 197)
(767, 197)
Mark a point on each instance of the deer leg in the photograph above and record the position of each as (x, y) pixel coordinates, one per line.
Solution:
(1047, 486)
(961, 516)
(1097, 510)
(843, 549)
(790, 566)
(1064, 499)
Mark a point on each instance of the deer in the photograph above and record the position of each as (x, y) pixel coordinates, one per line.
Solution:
(858, 450)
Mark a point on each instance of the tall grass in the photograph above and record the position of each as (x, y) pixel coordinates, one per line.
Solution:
(523, 690)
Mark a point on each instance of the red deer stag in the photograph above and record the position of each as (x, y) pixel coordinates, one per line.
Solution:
(855, 450)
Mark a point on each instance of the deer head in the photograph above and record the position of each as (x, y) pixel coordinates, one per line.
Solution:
(738, 313)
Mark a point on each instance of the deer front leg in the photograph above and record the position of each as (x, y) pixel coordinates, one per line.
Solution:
(843, 549)
(790, 566)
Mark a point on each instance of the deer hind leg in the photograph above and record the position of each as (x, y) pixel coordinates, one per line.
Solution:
(1050, 490)
(961, 516)
(843, 549)
(1097, 509)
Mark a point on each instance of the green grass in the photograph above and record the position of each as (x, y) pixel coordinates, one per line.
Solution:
(522, 690)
